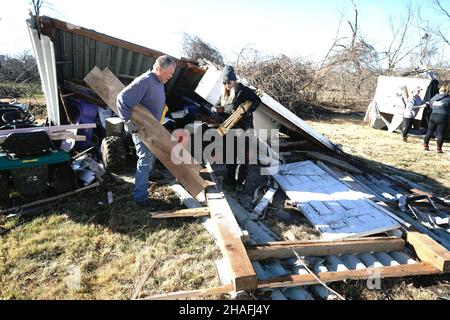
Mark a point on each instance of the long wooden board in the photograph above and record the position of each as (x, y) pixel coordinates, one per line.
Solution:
(229, 234)
(422, 268)
(284, 249)
(154, 136)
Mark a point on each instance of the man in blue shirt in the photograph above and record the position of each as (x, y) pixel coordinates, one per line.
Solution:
(148, 91)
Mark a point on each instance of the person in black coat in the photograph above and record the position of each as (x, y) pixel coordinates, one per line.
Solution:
(440, 106)
(233, 96)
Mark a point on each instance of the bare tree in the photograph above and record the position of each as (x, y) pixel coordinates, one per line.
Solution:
(195, 48)
(445, 13)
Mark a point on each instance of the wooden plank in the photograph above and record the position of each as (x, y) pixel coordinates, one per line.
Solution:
(58, 197)
(284, 249)
(147, 274)
(49, 129)
(185, 213)
(154, 136)
(429, 250)
(264, 202)
(193, 293)
(229, 239)
(338, 163)
(422, 268)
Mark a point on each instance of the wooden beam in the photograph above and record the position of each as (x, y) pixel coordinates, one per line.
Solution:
(185, 213)
(57, 136)
(58, 197)
(49, 129)
(284, 249)
(193, 293)
(338, 163)
(229, 239)
(152, 133)
(147, 274)
(51, 23)
(429, 250)
(416, 269)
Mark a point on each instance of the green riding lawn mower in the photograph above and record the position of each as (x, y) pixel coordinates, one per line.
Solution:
(30, 162)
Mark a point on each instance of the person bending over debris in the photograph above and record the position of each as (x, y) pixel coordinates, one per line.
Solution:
(412, 108)
(234, 95)
(440, 106)
(148, 91)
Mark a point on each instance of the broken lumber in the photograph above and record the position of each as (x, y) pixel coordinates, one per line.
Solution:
(338, 163)
(58, 197)
(56, 136)
(264, 202)
(284, 249)
(234, 118)
(193, 293)
(153, 134)
(422, 268)
(429, 250)
(229, 239)
(50, 129)
(144, 280)
(185, 213)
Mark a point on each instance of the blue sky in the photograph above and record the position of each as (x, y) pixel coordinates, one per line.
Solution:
(305, 28)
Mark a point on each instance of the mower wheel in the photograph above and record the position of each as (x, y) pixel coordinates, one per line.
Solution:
(113, 154)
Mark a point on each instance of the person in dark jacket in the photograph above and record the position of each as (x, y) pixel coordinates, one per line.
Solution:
(440, 106)
(233, 96)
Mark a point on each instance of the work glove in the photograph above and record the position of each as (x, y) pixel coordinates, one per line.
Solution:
(130, 127)
(217, 109)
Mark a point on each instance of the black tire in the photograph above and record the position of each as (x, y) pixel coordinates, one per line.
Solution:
(113, 154)
(4, 188)
(63, 178)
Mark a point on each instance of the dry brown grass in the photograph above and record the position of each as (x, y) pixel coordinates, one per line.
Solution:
(112, 251)
(430, 169)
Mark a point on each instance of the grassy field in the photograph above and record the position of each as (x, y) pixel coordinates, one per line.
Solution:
(81, 249)
(384, 149)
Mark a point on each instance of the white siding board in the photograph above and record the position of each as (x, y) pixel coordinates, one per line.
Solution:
(330, 205)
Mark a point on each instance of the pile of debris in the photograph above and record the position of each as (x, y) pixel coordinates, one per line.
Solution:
(371, 224)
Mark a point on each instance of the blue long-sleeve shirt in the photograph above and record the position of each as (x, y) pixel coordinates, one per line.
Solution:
(145, 90)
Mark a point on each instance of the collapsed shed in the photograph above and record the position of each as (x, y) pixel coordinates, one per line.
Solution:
(386, 109)
(335, 191)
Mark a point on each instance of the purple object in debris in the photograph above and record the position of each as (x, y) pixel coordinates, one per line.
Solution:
(87, 114)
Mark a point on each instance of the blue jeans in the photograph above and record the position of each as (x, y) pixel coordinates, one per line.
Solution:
(145, 163)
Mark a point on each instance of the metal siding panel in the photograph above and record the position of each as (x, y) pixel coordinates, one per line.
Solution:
(138, 67)
(78, 54)
(87, 68)
(68, 55)
(92, 50)
(127, 65)
(118, 61)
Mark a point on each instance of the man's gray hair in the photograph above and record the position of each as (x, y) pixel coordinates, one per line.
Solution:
(164, 61)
